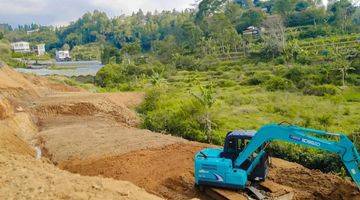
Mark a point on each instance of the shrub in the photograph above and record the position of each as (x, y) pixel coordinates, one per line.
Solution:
(278, 83)
(181, 117)
(295, 74)
(185, 62)
(109, 75)
(280, 60)
(259, 78)
(321, 90)
(226, 83)
(325, 120)
(303, 59)
(309, 158)
(355, 65)
(355, 138)
(313, 33)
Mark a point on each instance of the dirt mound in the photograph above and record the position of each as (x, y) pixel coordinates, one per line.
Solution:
(6, 109)
(165, 171)
(23, 177)
(45, 84)
(77, 108)
(86, 104)
(17, 129)
(15, 84)
(311, 184)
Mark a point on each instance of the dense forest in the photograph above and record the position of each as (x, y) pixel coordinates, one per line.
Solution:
(226, 65)
(214, 27)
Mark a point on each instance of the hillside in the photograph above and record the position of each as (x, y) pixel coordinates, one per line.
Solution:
(96, 136)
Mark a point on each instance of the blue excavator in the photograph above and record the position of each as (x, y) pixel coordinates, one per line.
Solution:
(244, 160)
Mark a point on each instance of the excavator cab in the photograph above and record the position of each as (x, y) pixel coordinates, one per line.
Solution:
(235, 142)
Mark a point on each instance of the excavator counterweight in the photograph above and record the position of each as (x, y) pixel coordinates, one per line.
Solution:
(244, 159)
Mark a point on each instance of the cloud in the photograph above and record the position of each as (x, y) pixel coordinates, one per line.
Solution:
(60, 12)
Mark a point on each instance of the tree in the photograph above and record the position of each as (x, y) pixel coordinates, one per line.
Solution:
(65, 47)
(310, 16)
(206, 98)
(341, 14)
(166, 49)
(283, 7)
(302, 5)
(188, 35)
(246, 3)
(251, 17)
(73, 39)
(343, 66)
(110, 54)
(208, 7)
(356, 17)
(274, 36)
(223, 33)
(233, 12)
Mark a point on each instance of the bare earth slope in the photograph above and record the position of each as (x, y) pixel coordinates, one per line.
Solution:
(97, 135)
(24, 177)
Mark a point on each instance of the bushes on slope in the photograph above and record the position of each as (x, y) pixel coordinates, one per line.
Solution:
(321, 90)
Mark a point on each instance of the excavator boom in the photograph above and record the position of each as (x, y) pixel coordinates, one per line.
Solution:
(306, 137)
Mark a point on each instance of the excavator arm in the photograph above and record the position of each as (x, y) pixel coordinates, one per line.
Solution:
(306, 137)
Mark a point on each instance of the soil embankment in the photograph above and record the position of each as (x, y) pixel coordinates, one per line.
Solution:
(24, 177)
(97, 135)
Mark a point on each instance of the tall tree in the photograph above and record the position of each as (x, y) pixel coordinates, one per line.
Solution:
(283, 7)
(208, 7)
(274, 37)
(341, 13)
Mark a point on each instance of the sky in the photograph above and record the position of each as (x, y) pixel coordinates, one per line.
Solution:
(62, 12)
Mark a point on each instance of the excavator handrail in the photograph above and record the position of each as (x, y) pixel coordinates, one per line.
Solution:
(300, 135)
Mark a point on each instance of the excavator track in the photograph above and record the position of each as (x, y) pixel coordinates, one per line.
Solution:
(223, 194)
(266, 190)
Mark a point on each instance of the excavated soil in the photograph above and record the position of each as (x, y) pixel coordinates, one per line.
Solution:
(311, 184)
(92, 137)
(168, 172)
(165, 171)
(97, 135)
(23, 177)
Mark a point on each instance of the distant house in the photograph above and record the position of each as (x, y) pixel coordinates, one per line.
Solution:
(20, 47)
(62, 56)
(39, 49)
(252, 31)
(32, 31)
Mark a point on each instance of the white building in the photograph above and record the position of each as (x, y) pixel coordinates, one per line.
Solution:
(62, 56)
(40, 49)
(20, 47)
(32, 31)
